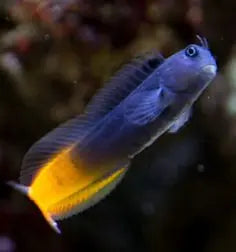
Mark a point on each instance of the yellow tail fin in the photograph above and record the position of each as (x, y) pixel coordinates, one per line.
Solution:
(25, 190)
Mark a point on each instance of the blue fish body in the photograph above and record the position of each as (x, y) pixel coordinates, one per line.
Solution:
(152, 108)
(80, 162)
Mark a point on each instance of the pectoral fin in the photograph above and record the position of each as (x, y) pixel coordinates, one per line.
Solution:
(179, 123)
(146, 106)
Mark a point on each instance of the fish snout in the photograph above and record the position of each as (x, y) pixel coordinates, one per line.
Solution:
(210, 69)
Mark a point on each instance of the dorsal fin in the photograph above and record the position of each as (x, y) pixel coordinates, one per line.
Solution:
(49, 145)
(122, 84)
(117, 89)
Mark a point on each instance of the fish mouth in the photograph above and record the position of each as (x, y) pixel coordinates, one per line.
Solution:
(210, 70)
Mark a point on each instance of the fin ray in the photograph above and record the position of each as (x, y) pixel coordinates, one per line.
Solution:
(20, 188)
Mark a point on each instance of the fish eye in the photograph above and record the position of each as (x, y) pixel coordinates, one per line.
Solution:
(191, 51)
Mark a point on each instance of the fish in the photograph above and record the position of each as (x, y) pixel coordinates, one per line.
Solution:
(81, 161)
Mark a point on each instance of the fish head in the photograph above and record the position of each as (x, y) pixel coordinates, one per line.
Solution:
(189, 70)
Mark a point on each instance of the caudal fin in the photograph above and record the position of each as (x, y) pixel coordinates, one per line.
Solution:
(25, 190)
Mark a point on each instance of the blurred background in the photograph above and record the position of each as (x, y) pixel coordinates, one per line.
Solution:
(179, 194)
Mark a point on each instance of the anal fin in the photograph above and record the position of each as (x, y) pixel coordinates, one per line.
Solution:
(88, 196)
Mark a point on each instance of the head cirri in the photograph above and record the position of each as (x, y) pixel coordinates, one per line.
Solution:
(189, 70)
